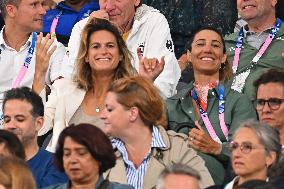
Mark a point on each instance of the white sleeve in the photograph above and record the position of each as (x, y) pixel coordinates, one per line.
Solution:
(159, 43)
(49, 111)
(56, 61)
(73, 48)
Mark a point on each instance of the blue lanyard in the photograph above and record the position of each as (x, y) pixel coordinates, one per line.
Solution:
(26, 64)
(221, 104)
(221, 110)
(239, 44)
(31, 50)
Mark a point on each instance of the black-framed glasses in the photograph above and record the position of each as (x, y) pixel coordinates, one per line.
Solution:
(245, 147)
(273, 103)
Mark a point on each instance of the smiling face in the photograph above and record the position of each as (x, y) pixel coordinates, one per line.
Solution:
(256, 9)
(121, 12)
(207, 53)
(18, 119)
(78, 163)
(245, 164)
(103, 52)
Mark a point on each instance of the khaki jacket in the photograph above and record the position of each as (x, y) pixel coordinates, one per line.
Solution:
(176, 151)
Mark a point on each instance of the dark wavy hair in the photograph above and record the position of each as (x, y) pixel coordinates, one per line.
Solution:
(25, 94)
(271, 76)
(90, 136)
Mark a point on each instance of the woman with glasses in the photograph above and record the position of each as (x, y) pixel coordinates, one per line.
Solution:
(269, 101)
(255, 150)
(208, 105)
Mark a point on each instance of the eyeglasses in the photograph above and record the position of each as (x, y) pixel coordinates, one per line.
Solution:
(245, 147)
(273, 103)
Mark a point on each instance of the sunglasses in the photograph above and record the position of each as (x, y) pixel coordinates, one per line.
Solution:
(273, 103)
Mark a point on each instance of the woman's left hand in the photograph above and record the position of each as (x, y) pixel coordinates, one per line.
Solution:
(150, 67)
(199, 140)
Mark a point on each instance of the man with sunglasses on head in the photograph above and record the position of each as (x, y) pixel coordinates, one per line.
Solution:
(269, 101)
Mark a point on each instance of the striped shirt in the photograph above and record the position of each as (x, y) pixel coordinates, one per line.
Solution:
(135, 176)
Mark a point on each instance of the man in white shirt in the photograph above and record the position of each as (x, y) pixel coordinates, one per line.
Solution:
(20, 47)
(143, 28)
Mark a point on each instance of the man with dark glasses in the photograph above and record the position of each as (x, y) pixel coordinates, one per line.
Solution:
(269, 101)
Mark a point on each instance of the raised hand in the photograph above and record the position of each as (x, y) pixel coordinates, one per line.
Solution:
(199, 140)
(99, 14)
(150, 67)
(43, 54)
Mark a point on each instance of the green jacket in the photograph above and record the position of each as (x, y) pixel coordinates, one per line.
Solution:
(270, 59)
(176, 151)
(238, 108)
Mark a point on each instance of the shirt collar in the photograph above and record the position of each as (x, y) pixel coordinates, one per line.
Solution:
(247, 32)
(3, 43)
(98, 184)
(157, 140)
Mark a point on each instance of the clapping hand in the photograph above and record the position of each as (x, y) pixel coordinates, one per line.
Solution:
(43, 54)
(150, 67)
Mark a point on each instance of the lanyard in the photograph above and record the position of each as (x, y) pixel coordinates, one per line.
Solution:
(56, 19)
(221, 110)
(239, 44)
(54, 25)
(26, 64)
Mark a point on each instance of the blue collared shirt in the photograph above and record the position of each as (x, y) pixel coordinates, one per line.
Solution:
(135, 176)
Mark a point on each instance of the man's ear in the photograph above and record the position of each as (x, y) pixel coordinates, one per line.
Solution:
(137, 3)
(273, 3)
(134, 113)
(11, 10)
(39, 122)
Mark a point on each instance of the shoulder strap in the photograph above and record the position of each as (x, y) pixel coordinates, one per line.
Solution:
(104, 184)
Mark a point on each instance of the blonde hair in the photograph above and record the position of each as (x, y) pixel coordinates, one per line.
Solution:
(83, 71)
(15, 174)
(139, 92)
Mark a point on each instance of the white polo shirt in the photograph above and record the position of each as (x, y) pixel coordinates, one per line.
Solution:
(11, 62)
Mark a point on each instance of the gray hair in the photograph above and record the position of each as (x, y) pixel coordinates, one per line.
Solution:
(4, 3)
(267, 136)
(179, 169)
